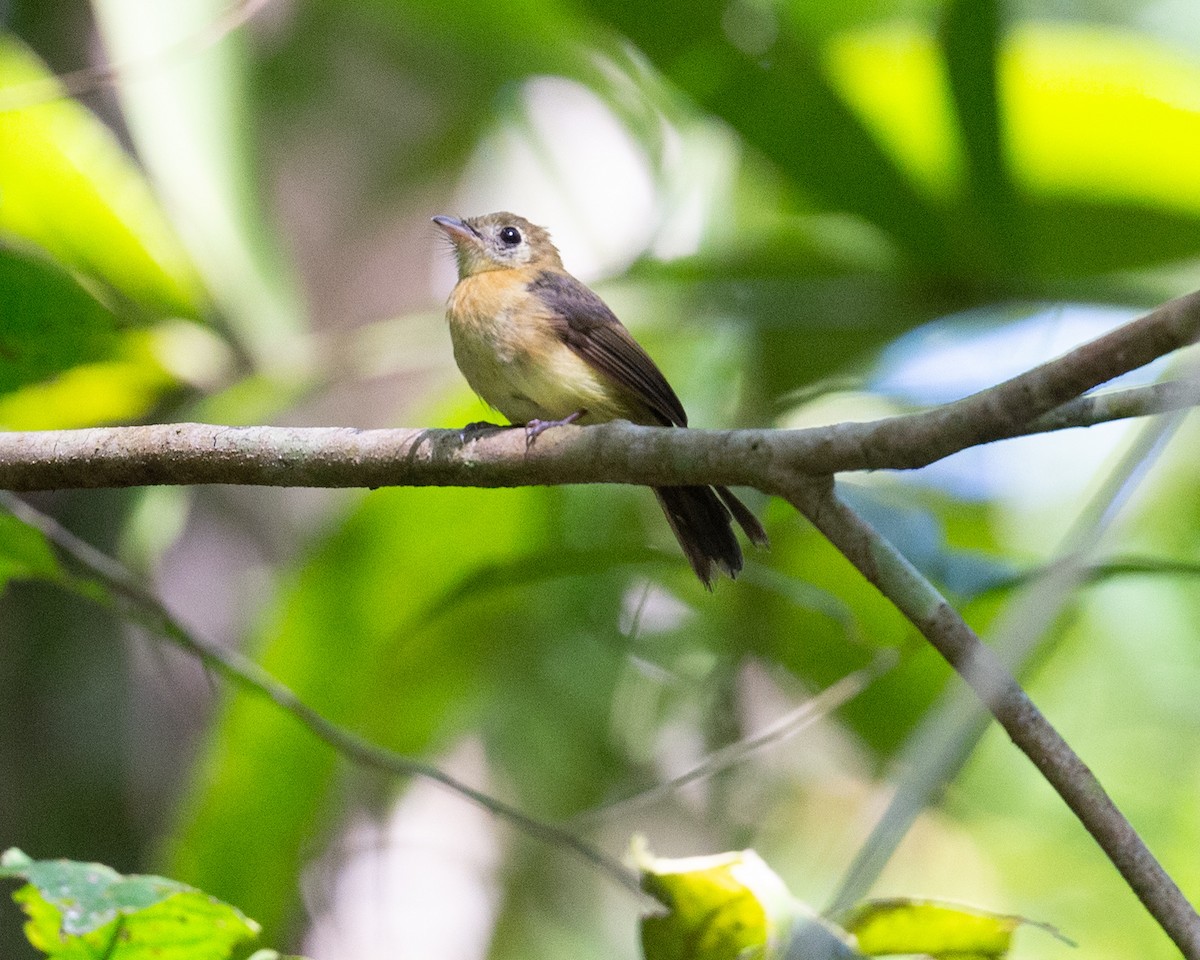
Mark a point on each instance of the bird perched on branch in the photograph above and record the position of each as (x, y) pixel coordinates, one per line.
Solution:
(544, 350)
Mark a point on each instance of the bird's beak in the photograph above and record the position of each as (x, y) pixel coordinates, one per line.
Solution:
(456, 229)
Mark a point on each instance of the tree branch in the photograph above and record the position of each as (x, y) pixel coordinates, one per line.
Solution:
(796, 464)
(885, 567)
(938, 750)
(1045, 398)
(1113, 405)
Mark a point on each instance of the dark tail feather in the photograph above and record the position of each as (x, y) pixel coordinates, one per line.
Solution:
(746, 520)
(701, 523)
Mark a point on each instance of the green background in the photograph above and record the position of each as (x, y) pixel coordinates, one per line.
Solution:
(772, 195)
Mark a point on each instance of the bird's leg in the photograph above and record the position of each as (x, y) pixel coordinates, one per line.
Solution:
(535, 428)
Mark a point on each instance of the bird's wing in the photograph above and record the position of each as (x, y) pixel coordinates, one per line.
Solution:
(591, 329)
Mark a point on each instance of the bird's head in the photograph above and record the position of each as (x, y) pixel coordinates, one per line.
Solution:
(498, 241)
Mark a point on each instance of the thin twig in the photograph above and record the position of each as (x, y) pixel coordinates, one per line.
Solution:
(1102, 571)
(885, 567)
(245, 673)
(1135, 566)
(811, 711)
(87, 79)
(1110, 405)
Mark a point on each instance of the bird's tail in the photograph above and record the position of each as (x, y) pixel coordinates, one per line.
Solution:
(701, 519)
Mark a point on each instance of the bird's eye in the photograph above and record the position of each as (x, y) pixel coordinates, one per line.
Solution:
(511, 236)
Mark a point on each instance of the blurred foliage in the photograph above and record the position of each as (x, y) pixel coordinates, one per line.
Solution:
(71, 191)
(191, 125)
(227, 233)
(24, 553)
(50, 322)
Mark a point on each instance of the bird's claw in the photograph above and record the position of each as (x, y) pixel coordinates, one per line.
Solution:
(474, 427)
(535, 428)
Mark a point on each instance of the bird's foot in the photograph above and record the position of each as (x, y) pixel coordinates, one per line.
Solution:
(535, 428)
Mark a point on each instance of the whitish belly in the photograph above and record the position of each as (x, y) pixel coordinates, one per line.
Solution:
(556, 384)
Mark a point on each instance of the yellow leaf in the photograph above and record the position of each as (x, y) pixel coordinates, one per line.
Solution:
(717, 906)
(884, 927)
(1079, 105)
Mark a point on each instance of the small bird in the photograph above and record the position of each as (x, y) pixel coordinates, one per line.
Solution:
(544, 350)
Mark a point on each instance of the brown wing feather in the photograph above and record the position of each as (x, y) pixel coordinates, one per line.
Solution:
(591, 329)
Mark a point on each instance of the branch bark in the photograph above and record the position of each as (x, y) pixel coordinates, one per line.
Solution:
(796, 464)
(202, 453)
(1032, 402)
(885, 567)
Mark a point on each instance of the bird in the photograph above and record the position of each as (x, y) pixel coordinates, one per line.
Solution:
(544, 350)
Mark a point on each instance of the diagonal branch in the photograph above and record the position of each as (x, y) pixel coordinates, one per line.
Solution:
(1111, 405)
(885, 567)
(808, 713)
(937, 752)
(1009, 409)
(147, 610)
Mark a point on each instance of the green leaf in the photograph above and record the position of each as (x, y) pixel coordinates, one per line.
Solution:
(970, 43)
(730, 906)
(121, 388)
(88, 910)
(991, 220)
(884, 927)
(66, 360)
(1070, 236)
(48, 322)
(24, 552)
(536, 569)
(70, 189)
